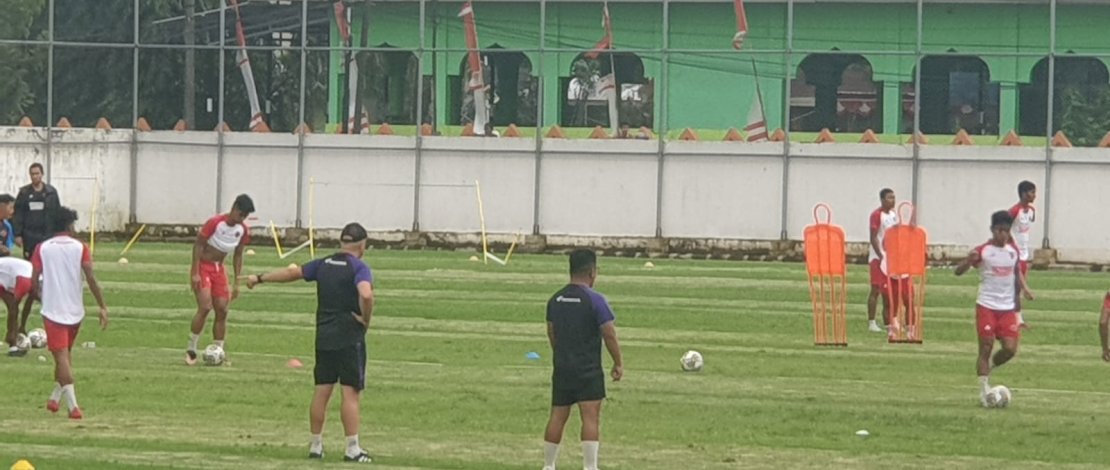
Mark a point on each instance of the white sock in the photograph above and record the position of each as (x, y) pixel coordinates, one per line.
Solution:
(220, 343)
(70, 396)
(983, 383)
(56, 395)
(193, 338)
(317, 444)
(589, 454)
(550, 454)
(1020, 319)
(353, 449)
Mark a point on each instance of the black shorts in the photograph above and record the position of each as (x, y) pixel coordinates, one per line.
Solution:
(29, 244)
(346, 366)
(566, 392)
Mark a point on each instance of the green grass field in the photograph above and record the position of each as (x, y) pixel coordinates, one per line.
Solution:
(450, 387)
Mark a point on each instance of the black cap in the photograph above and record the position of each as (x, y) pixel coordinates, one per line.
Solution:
(352, 233)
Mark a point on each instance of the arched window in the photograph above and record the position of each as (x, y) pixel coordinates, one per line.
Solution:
(512, 89)
(1073, 75)
(388, 86)
(956, 93)
(835, 91)
(582, 104)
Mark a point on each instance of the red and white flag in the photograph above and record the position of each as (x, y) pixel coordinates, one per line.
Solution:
(343, 21)
(741, 25)
(757, 122)
(244, 64)
(476, 84)
(606, 41)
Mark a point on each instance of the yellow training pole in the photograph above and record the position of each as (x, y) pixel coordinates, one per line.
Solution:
(482, 219)
(511, 248)
(92, 216)
(277, 241)
(311, 210)
(133, 239)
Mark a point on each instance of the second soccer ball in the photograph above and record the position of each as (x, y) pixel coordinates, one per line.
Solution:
(692, 361)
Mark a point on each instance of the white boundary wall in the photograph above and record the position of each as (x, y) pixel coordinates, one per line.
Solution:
(586, 188)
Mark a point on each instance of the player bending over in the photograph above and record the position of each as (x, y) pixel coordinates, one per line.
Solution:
(15, 286)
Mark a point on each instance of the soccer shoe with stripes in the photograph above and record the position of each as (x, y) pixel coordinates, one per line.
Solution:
(362, 457)
(52, 406)
(75, 413)
(190, 357)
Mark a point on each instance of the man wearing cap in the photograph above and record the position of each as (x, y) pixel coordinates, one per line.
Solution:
(344, 305)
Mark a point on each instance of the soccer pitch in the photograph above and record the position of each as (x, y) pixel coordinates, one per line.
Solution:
(449, 386)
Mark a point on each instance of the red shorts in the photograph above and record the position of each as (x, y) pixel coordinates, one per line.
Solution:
(996, 323)
(1106, 301)
(1023, 266)
(214, 278)
(878, 277)
(60, 337)
(22, 287)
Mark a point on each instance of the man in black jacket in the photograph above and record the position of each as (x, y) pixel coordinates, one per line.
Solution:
(36, 207)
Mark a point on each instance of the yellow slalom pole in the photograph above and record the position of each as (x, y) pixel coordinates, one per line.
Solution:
(92, 216)
(512, 247)
(133, 240)
(482, 219)
(277, 241)
(311, 211)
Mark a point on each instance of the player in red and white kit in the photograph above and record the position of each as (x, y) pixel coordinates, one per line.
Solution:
(1024, 215)
(15, 285)
(222, 234)
(1000, 281)
(58, 264)
(881, 219)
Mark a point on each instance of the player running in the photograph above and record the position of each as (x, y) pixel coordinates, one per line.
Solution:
(219, 236)
(881, 219)
(1001, 279)
(1024, 215)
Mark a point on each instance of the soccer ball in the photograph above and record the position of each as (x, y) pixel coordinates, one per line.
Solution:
(692, 361)
(1001, 396)
(38, 338)
(22, 342)
(213, 355)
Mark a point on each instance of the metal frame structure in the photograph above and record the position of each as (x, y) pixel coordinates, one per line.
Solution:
(664, 52)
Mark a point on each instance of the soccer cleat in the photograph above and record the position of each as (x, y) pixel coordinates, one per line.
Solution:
(362, 457)
(75, 413)
(52, 406)
(190, 357)
(315, 455)
(16, 352)
(874, 328)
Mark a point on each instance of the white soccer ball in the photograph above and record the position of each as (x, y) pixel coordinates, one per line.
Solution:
(38, 338)
(692, 361)
(213, 355)
(1001, 396)
(22, 342)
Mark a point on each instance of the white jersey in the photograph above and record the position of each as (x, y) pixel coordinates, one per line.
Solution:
(12, 269)
(1024, 216)
(60, 259)
(880, 222)
(997, 270)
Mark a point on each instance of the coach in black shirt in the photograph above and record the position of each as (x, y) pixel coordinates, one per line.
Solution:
(36, 207)
(578, 320)
(344, 305)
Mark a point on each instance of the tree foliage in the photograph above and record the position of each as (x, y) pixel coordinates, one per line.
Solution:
(1085, 117)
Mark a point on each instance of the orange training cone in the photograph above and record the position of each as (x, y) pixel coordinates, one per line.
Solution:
(905, 246)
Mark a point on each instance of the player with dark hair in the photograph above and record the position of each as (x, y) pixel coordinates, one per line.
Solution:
(36, 208)
(1024, 214)
(7, 232)
(58, 264)
(881, 219)
(579, 319)
(997, 261)
(344, 307)
(220, 235)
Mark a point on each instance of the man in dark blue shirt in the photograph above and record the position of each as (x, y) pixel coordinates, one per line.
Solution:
(7, 232)
(345, 304)
(578, 321)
